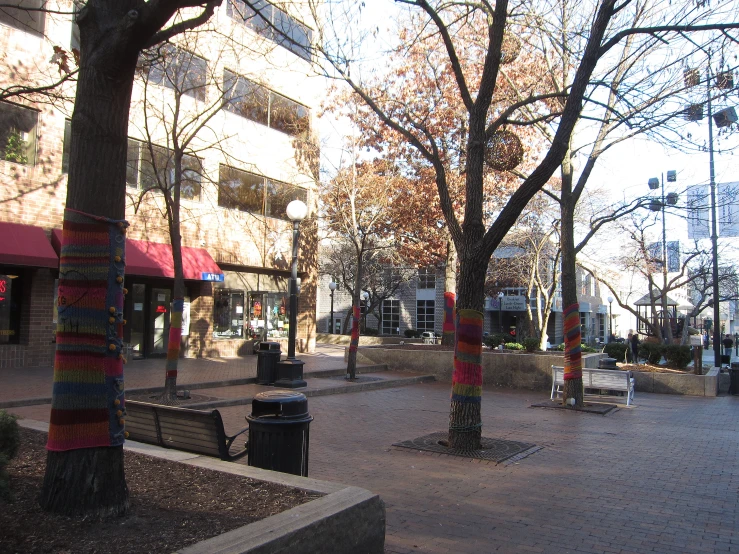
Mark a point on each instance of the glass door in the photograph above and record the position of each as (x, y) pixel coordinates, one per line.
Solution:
(138, 319)
(159, 315)
(255, 325)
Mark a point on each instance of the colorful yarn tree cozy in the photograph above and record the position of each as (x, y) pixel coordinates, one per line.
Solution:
(467, 379)
(87, 405)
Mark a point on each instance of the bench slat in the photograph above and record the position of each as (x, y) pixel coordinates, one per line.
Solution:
(607, 379)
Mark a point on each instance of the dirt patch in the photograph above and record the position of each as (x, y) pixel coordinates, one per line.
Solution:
(172, 506)
(651, 368)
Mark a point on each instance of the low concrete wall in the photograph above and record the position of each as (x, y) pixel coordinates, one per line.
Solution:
(371, 340)
(502, 369)
(673, 383)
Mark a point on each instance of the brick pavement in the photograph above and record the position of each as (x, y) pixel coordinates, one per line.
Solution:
(21, 383)
(660, 477)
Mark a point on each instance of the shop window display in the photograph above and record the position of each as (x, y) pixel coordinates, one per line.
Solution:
(228, 314)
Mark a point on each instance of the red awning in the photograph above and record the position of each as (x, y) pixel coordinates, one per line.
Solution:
(154, 259)
(26, 245)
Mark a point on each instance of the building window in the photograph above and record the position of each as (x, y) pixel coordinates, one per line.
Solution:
(152, 167)
(257, 103)
(67, 145)
(28, 16)
(248, 192)
(602, 327)
(390, 317)
(427, 278)
(586, 285)
(18, 134)
(10, 306)
(273, 23)
(228, 314)
(74, 39)
(178, 70)
(425, 317)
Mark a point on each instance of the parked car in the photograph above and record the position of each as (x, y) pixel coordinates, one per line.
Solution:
(429, 337)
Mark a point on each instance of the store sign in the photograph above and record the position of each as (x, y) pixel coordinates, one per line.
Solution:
(217, 277)
(513, 303)
(161, 310)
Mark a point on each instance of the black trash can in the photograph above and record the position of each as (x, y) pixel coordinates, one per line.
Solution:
(607, 363)
(734, 375)
(267, 357)
(278, 432)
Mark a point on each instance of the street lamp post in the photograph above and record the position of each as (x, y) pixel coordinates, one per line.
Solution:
(332, 288)
(290, 371)
(610, 318)
(672, 200)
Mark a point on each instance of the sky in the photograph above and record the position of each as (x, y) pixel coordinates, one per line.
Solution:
(622, 172)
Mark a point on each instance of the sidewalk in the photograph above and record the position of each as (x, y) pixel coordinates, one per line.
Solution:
(23, 383)
(659, 477)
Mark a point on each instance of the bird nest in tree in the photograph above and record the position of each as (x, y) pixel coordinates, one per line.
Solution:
(504, 151)
(510, 49)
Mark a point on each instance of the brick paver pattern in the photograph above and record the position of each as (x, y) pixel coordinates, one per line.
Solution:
(660, 477)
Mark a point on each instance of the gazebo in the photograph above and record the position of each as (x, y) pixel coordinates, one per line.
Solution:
(644, 309)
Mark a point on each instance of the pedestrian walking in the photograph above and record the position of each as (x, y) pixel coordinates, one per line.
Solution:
(728, 344)
(629, 360)
(634, 343)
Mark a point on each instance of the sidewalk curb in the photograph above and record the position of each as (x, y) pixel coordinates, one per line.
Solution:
(346, 389)
(203, 385)
(346, 519)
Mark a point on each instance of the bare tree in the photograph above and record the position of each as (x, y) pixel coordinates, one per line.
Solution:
(487, 137)
(84, 472)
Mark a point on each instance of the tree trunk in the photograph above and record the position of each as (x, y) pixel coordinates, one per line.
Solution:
(351, 365)
(84, 471)
(450, 286)
(573, 388)
(465, 422)
(169, 396)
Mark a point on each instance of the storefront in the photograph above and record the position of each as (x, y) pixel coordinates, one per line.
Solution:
(249, 307)
(28, 269)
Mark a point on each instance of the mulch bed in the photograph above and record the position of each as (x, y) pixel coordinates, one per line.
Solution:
(173, 505)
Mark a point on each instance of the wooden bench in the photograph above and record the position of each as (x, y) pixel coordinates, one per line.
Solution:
(603, 379)
(198, 431)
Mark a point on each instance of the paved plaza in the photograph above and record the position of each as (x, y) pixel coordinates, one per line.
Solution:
(661, 476)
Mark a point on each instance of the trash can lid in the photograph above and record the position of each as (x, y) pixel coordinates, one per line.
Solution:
(279, 403)
(266, 345)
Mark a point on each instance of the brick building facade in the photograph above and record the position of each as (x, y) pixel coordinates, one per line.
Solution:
(235, 234)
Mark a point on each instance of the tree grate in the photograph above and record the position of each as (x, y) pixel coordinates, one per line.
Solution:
(493, 450)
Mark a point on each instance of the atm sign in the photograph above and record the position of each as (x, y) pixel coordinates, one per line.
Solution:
(218, 277)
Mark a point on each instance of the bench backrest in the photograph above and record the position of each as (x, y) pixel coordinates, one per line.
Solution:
(596, 378)
(199, 431)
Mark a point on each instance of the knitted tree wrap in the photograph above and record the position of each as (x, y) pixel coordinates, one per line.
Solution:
(573, 355)
(448, 326)
(175, 335)
(467, 377)
(87, 398)
(354, 344)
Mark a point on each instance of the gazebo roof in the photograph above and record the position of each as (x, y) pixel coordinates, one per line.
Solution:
(645, 300)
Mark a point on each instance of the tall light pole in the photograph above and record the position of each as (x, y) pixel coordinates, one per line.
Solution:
(672, 200)
(332, 288)
(290, 371)
(610, 318)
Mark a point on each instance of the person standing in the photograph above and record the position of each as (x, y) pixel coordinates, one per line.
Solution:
(728, 345)
(635, 347)
(629, 358)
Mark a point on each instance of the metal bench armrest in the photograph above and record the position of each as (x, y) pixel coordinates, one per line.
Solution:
(231, 439)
